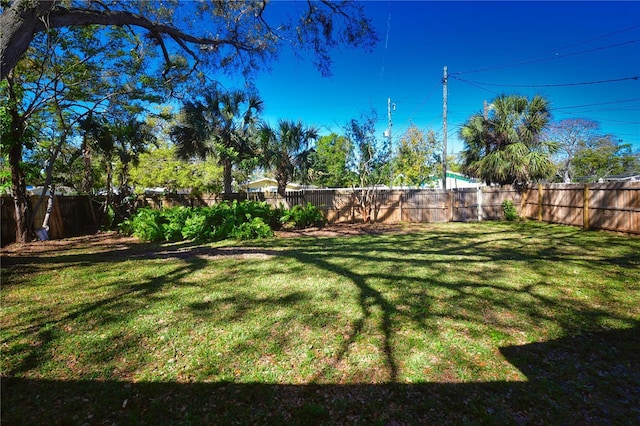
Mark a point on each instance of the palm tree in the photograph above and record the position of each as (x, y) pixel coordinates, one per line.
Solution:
(223, 123)
(286, 151)
(505, 146)
(131, 138)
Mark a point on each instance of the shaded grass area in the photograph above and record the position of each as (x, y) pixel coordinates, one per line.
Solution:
(450, 323)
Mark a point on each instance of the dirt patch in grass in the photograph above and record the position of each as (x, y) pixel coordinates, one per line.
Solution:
(102, 240)
(114, 241)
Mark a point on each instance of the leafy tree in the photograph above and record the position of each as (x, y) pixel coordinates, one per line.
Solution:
(454, 164)
(285, 150)
(417, 158)
(16, 136)
(330, 162)
(132, 138)
(160, 167)
(369, 159)
(571, 135)
(224, 123)
(601, 157)
(505, 147)
(44, 96)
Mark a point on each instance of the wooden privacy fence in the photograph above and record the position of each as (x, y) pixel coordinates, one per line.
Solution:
(611, 206)
(71, 216)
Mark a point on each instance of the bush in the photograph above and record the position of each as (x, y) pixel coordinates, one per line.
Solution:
(146, 225)
(255, 229)
(260, 209)
(510, 212)
(208, 223)
(173, 221)
(241, 220)
(303, 217)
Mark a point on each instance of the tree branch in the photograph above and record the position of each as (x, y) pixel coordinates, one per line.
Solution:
(20, 24)
(75, 17)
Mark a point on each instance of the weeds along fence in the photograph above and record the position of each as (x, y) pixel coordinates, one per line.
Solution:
(611, 206)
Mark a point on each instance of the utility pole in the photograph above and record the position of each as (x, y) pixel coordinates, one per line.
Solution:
(444, 129)
(390, 107)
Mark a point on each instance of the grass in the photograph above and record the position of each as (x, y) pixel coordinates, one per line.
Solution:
(447, 323)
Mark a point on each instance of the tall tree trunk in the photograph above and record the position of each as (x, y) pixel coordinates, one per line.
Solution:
(50, 201)
(282, 177)
(124, 180)
(227, 166)
(567, 171)
(21, 201)
(87, 177)
(107, 201)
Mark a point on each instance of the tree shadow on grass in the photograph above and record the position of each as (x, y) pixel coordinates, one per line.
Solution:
(586, 379)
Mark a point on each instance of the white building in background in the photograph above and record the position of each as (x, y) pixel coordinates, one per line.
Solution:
(268, 185)
(458, 181)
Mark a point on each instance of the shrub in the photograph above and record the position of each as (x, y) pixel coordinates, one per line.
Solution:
(146, 225)
(303, 216)
(510, 212)
(230, 220)
(241, 220)
(205, 224)
(255, 229)
(264, 211)
(173, 221)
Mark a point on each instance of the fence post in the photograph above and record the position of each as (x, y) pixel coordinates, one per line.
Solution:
(479, 203)
(523, 202)
(540, 194)
(585, 207)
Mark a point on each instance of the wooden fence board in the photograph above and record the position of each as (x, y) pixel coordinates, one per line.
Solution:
(563, 204)
(425, 206)
(465, 205)
(615, 207)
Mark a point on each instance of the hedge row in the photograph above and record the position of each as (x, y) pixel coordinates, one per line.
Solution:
(238, 220)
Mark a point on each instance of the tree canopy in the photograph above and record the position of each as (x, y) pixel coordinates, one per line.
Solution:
(505, 146)
(417, 158)
(285, 150)
(223, 124)
(225, 36)
(603, 156)
(331, 160)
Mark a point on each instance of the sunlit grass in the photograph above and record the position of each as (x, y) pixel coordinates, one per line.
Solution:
(435, 304)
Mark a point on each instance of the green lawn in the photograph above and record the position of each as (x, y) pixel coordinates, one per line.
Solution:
(442, 323)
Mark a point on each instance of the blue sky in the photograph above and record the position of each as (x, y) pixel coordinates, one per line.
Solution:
(564, 49)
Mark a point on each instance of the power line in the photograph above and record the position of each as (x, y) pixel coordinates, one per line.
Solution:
(583, 83)
(477, 86)
(622, 101)
(549, 58)
(530, 59)
(607, 119)
(433, 89)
